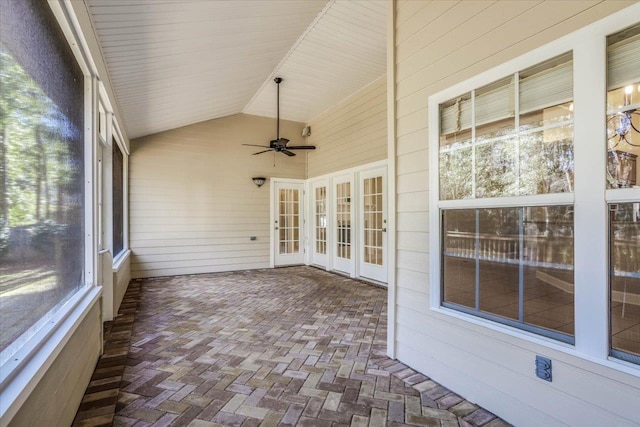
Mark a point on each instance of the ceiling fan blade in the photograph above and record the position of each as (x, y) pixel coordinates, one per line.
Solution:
(260, 152)
(254, 145)
(288, 153)
(301, 147)
(283, 141)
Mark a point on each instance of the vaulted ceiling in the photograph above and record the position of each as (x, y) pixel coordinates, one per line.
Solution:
(176, 62)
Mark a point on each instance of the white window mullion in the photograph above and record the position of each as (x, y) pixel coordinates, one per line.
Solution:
(473, 144)
(591, 267)
(516, 106)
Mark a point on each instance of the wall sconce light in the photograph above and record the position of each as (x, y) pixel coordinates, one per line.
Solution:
(259, 181)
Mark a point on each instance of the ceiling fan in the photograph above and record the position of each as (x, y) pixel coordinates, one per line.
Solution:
(279, 145)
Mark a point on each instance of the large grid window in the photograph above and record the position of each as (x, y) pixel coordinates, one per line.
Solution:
(513, 264)
(493, 146)
(511, 139)
(623, 146)
(42, 239)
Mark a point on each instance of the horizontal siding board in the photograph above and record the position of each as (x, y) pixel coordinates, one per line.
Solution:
(413, 280)
(198, 249)
(413, 163)
(412, 122)
(413, 241)
(413, 202)
(406, 10)
(160, 242)
(421, 18)
(412, 142)
(412, 182)
(162, 272)
(199, 263)
(458, 27)
(413, 221)
(352, 133)
(414, 261)
(193, 206)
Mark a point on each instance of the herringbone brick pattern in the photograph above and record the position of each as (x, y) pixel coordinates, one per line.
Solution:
(283, 347)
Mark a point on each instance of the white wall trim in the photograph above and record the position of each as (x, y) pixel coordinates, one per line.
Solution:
(391, 180)
(21, 374)
(120, 260)
(353, 170)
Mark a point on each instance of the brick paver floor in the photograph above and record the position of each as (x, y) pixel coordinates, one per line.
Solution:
(281, 347)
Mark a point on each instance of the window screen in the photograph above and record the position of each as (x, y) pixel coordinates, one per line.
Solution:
(118, 200)
(41, 171)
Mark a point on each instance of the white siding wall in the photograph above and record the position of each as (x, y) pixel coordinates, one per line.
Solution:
(121, 279)
(193, 206)
(57, 396)
(352, 133)
(439, 44)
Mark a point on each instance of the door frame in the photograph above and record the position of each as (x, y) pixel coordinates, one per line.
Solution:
(272, 208)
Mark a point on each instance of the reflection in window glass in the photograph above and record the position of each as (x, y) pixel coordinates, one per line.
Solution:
(512, 265)
(623, 108)
(624, 250)
(491, 146)
(41, 171)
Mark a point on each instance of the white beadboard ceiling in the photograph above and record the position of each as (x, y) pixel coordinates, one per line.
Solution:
(177, 62)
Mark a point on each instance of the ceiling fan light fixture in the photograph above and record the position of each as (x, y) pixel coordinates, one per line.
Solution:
(259, 181)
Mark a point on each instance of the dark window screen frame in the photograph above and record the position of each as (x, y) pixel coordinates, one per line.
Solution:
(118, 199)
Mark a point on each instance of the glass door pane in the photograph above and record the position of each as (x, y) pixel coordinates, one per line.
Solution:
(289, 220)
(343, 213)
(321, 220)
(373, 220)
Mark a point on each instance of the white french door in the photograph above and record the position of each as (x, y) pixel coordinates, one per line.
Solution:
(288, 223)
(372, 224)
(343, 253)
(319, 224)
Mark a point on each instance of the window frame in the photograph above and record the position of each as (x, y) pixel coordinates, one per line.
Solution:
(22, 372)
(119, 258)
(590, 197)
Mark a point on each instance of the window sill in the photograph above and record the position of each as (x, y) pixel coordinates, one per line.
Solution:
(21, 374)
(529, 337)
(120, 259)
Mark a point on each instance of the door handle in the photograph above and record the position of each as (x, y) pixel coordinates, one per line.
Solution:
(384, 230)
(275, 228)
